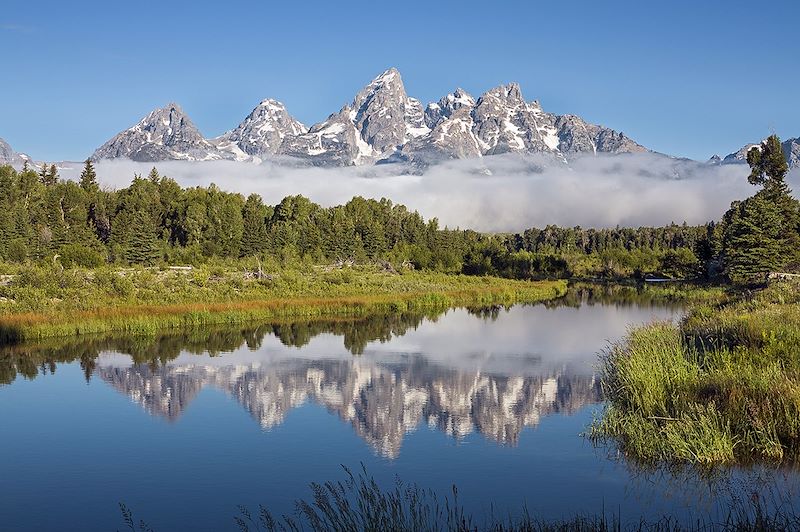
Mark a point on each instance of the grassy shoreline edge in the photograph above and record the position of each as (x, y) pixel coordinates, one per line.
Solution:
(721, 387)
(151, 318)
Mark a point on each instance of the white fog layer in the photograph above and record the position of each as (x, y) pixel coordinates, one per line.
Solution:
(499, 193)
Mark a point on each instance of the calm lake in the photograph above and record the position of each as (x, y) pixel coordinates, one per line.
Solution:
(183, 428)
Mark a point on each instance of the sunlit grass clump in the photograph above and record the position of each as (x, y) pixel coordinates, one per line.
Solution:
(721, 387)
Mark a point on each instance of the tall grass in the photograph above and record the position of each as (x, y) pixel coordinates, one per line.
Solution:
(145, 301)
(721, 387)
(358, 503)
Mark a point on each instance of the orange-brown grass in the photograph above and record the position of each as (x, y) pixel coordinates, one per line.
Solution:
(149, 318)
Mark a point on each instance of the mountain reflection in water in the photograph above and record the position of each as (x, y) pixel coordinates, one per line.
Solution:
(184, 426)
(382, 400)
(492, 370)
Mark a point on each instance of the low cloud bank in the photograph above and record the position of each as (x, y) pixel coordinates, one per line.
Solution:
(499, 193)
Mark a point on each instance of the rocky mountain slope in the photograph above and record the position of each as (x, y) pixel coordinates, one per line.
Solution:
(382, 124)
(9, 156)
(164, 134)
(380, 118)
(262, 132)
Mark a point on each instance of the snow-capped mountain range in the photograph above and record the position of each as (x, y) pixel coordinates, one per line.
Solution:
(381, 124)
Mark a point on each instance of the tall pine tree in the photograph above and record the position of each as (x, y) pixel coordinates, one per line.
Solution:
(254, 236)
(88, 179)
(762, 233)
(142, 246)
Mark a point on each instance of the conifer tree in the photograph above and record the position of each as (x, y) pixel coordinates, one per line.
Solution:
(52, 176)
(43, 173)
(761, 234)
(767, 162)
(254, 237)
(753, 246)
(142, 246)
(88, 179)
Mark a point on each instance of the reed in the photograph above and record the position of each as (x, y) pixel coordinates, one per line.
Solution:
(721, 387)
(358, 503)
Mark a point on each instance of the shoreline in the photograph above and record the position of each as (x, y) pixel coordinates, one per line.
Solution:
(149, 318)
(719, 388)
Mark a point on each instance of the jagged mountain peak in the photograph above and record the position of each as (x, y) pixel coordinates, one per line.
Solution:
(511, 92)
(9, 156)
(271, 103)
(261, 133)
(457, 99)
(170, 112)
(388, 76)
(447, 105)
(380, 119)
(389, 82)
(166, 133)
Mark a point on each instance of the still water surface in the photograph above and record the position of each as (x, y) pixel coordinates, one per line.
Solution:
(185, 428)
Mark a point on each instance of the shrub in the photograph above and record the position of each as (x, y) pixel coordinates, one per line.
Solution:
(18, 250)
(680, 263)
(122, 286)
(71, 255)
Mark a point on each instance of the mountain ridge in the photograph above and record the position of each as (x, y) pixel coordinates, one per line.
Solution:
(791, 149)
(382, 124)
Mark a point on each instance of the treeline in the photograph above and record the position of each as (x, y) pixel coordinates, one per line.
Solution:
(678, 251)
(156, 221)
(755, 237)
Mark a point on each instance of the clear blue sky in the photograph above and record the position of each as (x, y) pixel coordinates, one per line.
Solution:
(688, 78)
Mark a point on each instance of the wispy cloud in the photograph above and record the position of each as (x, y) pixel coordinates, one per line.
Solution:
(15, 28)
(500, 193)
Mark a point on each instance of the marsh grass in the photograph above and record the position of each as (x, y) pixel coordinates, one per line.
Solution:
(144, 301)
(721, 387)
(358, 503)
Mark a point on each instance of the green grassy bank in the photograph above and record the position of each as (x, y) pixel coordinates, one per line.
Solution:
(723, 386)
(38, 303)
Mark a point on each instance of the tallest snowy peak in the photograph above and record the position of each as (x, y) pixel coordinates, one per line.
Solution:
(271, 103)
(171, 109)
(388, 76)
(389, 82)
